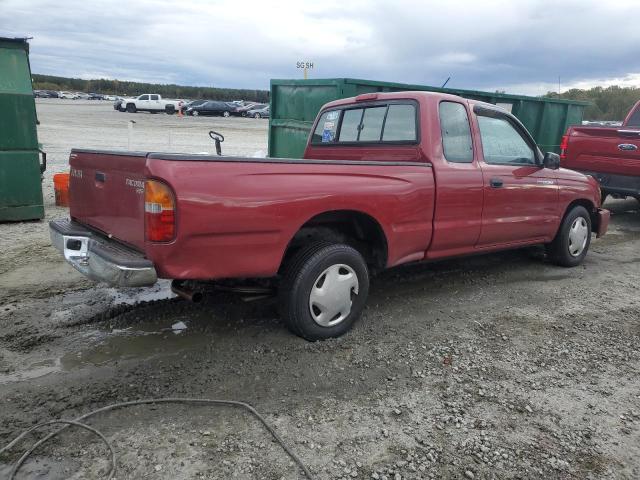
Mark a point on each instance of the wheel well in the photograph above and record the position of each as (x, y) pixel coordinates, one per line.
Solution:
(353, 228)
(595, 219)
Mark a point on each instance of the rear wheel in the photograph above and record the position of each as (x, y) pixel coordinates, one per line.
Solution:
(195, 113)
(131, 108)
(324, 290)
(225, 114)
(572, 241)
(257, 115)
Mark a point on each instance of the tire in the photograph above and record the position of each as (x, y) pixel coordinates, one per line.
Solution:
(257, 115)
(572, 241)
(169, 109)
(131, 108)
(225, 114)
(305, 277)
(194, 113)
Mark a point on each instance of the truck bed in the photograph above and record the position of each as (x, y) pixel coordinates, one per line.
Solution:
(227, 207)
(604, 149)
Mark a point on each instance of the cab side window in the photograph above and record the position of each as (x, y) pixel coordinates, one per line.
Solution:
(155, 97)
(502, 144)
(144, 97)
(457, 145)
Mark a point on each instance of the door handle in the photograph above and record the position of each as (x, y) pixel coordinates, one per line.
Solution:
(496, 182)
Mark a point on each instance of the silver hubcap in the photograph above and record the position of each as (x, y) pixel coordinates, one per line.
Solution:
(578, 235)
(332, 294)
(195, 113)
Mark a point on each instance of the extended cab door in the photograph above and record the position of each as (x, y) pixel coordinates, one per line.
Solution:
(520, 196)
(459, 184)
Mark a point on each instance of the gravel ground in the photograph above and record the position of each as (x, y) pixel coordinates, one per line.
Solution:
(499, 366)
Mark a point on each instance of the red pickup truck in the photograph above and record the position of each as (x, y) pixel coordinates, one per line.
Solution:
(610, 154)
(386, 179)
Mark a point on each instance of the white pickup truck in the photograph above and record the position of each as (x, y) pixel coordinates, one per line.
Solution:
(150, 102)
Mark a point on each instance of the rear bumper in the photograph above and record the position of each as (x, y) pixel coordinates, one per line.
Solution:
(603, 216)
(101, 259)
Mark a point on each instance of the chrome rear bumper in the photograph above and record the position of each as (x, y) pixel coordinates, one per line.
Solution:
(101, 259)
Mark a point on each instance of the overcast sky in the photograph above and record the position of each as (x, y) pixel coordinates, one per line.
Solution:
(521, 46)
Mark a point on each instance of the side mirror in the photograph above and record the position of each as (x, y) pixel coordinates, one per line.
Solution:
(551, 160)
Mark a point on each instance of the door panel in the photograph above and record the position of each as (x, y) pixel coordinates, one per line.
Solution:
(520, 197)
(459, 193)
(523, 207)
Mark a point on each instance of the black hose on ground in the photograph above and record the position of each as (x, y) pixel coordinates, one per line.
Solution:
(110, 474)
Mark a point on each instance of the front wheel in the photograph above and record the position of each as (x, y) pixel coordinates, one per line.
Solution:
(324, 290)
(131, 108)
(572, 241)
(257, 115)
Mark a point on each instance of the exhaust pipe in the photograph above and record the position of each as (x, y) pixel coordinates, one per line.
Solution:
(192, 295)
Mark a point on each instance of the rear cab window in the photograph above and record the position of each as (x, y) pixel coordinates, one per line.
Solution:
(379, 123)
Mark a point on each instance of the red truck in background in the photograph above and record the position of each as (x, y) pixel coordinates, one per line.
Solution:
(386, 179)
(610, 154)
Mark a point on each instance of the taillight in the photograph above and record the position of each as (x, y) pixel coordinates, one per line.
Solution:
(563, 147)
(159, 212)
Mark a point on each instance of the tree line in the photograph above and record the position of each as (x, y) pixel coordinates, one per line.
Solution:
(610, 103)
(125, 88)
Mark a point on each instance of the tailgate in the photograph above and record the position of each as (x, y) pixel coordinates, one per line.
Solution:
(106, 192)
(605, 150)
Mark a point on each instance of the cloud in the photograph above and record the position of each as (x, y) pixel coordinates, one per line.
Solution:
(521, 47)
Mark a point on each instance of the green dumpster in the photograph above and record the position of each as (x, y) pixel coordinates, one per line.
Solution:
(20, 169)
(295, 104)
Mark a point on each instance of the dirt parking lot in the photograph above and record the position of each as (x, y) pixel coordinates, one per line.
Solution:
(501, 366)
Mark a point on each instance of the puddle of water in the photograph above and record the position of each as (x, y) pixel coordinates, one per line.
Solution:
(35, 370)
(145, 341)
(101, 347)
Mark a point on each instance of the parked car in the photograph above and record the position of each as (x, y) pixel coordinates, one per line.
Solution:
(118, 104)
(242, 111)
(212, 108)
(96, 96)
(611, 154)
(69, 95)
(150, 102)
(386, 179)
(259, 112)
(193, 103)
